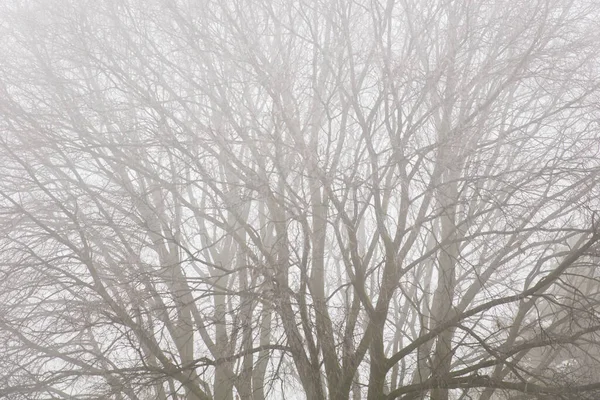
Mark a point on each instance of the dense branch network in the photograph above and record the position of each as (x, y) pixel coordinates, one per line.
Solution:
(299, 199)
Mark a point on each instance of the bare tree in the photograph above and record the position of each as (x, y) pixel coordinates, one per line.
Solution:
(299, 199)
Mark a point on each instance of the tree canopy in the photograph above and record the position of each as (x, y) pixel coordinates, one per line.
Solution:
(299, 199)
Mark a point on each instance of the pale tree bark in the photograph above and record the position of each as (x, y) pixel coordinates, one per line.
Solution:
(322, 200)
